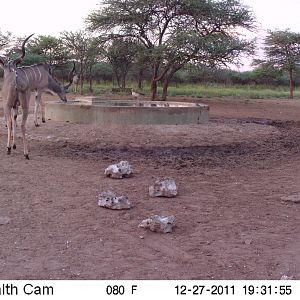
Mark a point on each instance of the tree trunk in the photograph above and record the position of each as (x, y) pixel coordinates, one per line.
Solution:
(140, 78)
(153, 89)
(81, 78)
(91, 80)
(118, 79)
(291, 83)
(166, 82)
(123, 84)
(154, 81)
(81, 84)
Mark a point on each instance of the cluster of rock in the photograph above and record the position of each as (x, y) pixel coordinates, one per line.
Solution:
(163, 187)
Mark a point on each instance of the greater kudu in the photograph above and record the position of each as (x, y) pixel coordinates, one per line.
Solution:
(18, 83)
(50, 88)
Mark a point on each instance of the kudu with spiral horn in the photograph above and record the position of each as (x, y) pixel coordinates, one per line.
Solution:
(18, 82)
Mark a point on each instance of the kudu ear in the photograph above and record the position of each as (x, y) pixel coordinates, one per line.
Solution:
(70, 77)
(19, 59)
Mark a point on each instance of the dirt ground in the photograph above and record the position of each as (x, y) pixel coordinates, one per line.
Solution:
(230, 220)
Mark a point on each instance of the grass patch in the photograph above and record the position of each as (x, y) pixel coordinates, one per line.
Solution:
(208, 90)
(236, 91)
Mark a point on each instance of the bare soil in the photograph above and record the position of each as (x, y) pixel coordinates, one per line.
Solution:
(230, 220)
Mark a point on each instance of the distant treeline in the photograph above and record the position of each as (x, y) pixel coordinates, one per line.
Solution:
(102, 72)
(258, 76)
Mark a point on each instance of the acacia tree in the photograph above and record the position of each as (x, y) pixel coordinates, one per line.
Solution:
(175, 32)
(83, 48)
(213, 50)
(282, 50)
(93, 56)
(11, 45)
(142, 63)
(121, 54)
(5, 38)
(4, 41)
(50, 48)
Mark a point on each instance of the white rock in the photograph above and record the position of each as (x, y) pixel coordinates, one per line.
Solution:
(248, 241)
(292, 198)
(163, 224)
(118, 171)
(4, 220)
(164, 187)
(110, 200)
(286, 277)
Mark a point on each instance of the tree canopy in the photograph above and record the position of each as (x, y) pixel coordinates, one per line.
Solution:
(282, 49)
(4, 39)
(175, 32)
(121, 55)
(50, 48)
(84, 49)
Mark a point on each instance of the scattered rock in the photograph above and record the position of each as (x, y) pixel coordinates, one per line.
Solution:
(118, 171)
(4, 220)
(110, 200)
(164, 187)
(127, 216)
(286, 277)
(163, 224)
(292, 198)
(248, 241)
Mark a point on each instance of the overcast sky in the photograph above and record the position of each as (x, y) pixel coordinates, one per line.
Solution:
(276, 14)
(23, 17)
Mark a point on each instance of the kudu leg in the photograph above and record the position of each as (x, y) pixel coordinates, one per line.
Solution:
(9, 131)
(36, 108)
(24, 99)
(43, 110)
(23, 128)
(10, 94)
(14, 126)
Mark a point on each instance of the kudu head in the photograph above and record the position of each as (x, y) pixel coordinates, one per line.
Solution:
(64, 88)
(11, 65)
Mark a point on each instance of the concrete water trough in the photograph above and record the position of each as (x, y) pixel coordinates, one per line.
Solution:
(90, 110)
